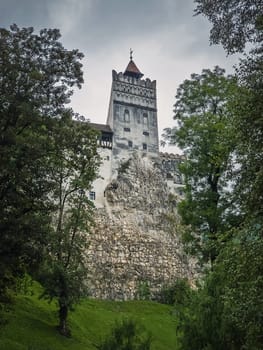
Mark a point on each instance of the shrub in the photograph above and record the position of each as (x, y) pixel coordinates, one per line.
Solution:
(127, 335)
(176, 294)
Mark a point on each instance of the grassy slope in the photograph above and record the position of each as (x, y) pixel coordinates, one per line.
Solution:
(31, 325)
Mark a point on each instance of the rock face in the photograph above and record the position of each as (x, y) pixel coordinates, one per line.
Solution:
(134, 250)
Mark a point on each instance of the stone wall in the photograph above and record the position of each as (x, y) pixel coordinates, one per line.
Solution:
(135, 241)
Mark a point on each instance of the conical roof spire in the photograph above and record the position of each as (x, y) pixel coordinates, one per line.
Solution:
(132, 70)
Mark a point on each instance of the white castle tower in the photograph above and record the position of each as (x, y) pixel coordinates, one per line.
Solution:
(131, 128)
(132, 115)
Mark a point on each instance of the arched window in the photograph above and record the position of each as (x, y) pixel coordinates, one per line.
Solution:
(126, 116)
(145, 119)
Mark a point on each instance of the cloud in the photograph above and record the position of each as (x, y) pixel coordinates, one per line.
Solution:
(25, 13)
(169, 43)
(67, 14)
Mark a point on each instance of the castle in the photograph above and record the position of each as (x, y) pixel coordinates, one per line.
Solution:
(135, 247)
(131, 128)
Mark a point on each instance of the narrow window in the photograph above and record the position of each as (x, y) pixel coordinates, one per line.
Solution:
(145, 119)
(116, 111)
(153, 120)
(130, 144)
(144, 146)
(92, 196)
(126, 116)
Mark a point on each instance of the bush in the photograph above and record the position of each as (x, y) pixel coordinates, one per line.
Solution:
(176, 294)
(127, 335)
(143, 291)
(226, 312)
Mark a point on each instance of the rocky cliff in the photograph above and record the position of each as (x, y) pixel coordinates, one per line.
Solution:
(135, 248)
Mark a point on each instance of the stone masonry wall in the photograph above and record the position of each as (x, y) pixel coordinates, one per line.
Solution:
(135, 241)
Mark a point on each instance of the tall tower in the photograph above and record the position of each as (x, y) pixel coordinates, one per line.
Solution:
(132, 115)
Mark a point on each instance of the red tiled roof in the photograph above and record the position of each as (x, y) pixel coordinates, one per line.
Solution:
(133, 70)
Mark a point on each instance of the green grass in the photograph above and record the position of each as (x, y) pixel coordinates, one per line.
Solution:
(32, 324)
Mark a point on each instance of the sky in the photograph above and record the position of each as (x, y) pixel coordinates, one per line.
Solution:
(168, 44)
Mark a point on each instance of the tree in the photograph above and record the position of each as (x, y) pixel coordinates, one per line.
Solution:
(37, 75)
(226, 310)
(248, 109)
(73, 164)
(205, 134)
(235, 22)
(240, 271)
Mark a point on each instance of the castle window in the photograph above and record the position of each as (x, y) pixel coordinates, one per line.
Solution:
(144, 146)
(127, 129)
(153, 120)
(116, 111)
(180, 191)
(145, 133)
(126, 116)
(130, 144)
(178, 179)
(92, 195)
(145, 119)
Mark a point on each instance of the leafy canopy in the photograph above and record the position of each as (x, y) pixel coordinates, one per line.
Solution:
(73, 164)
(204, 132)
(235, 22)
(37, 76)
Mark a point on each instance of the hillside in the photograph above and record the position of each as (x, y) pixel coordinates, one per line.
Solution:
(31, 324)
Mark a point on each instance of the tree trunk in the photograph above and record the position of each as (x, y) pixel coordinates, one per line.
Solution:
(63, 315)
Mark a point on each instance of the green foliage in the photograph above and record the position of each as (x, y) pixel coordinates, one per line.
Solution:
(205, 133)
(176, 294)
(37, 347)
(73, 163)
(226, 311)
(127, 336)
(32, 323)
(240, 269)
(37, 76)
(143, 291)
(48, 161)
(234, 22)
(200, 319)
(248, 122)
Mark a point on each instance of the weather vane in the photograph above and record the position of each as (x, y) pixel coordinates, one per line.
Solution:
(131, 52)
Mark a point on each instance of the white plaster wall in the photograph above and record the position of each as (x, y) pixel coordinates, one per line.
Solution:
(175, 188)
(138, 96)
(104, 178)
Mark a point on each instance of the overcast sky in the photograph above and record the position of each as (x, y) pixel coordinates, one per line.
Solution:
(168, 43)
